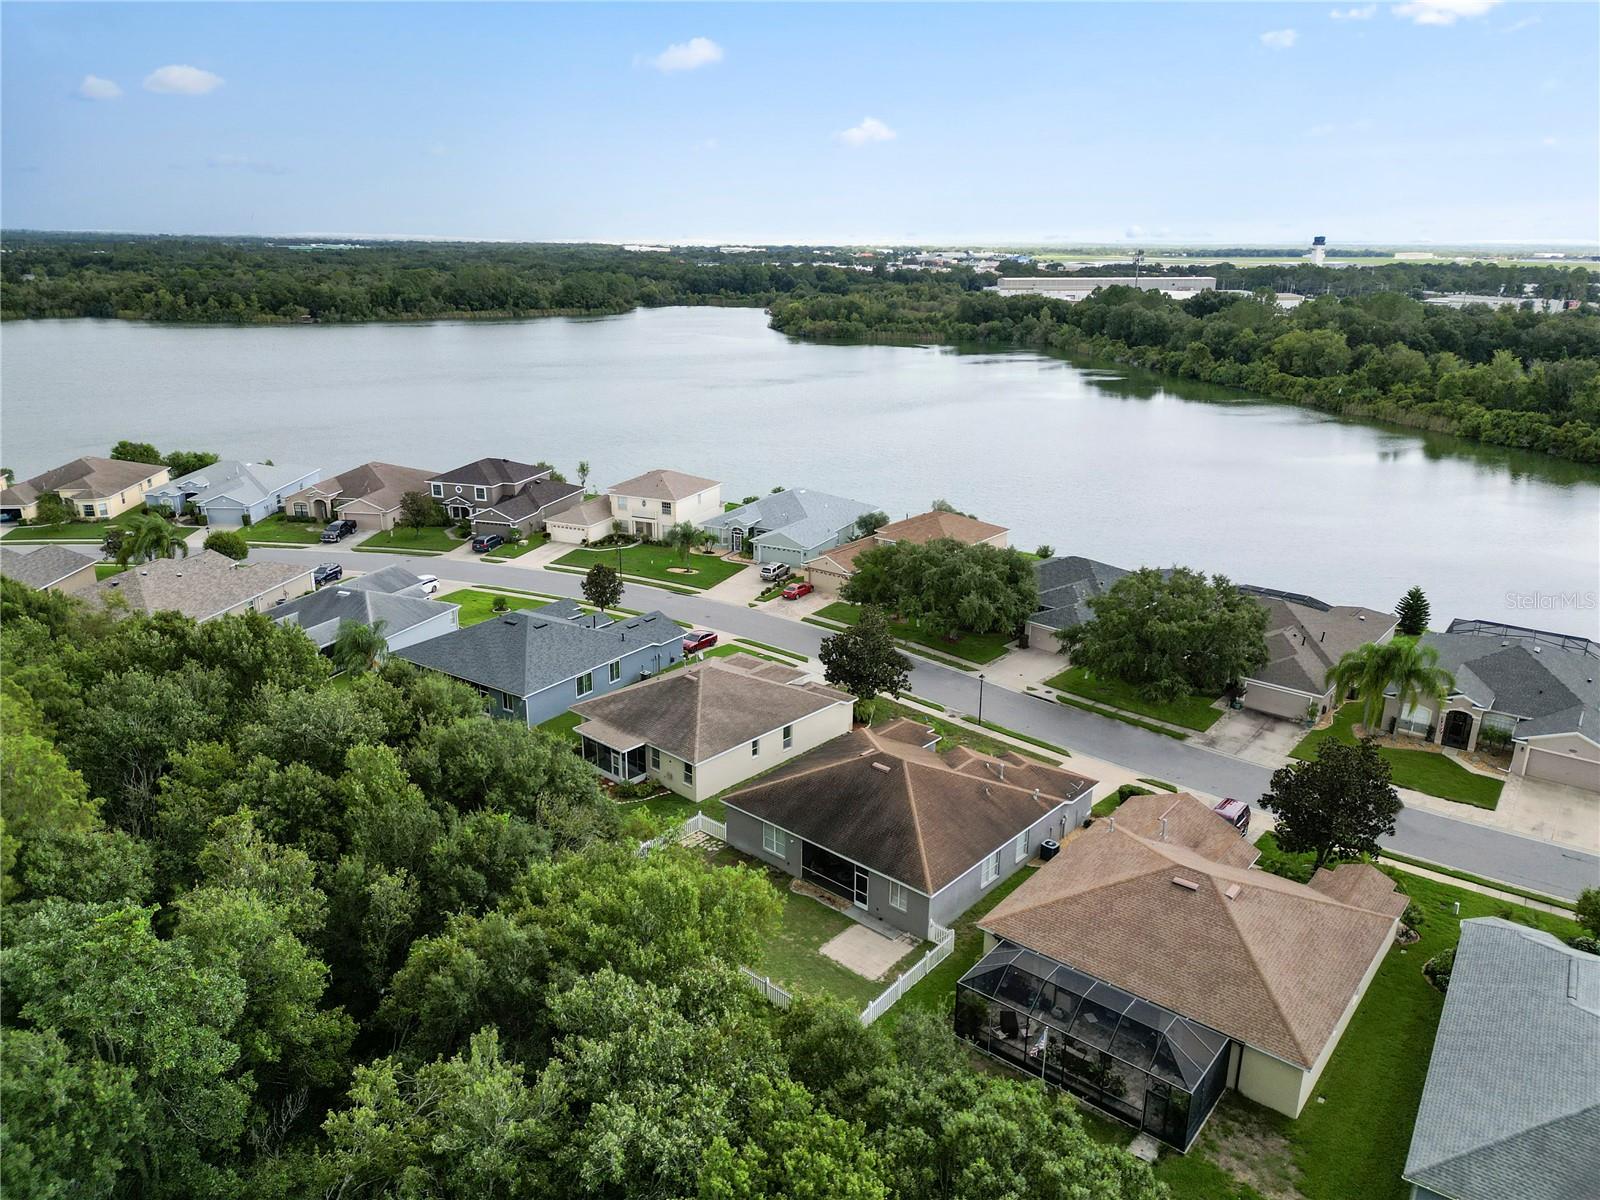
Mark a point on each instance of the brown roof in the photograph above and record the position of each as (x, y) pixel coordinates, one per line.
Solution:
(199, 586)
(1306, 637)
(924, 527)
(1362, 885)
(1270, 962)
(1190, 822)
(698, 712)
(95, 476)
(584, 513)
(662, 485)
(378, 485)
(899, 809)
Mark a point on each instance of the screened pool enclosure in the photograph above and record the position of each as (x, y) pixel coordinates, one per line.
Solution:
(1137, 1061)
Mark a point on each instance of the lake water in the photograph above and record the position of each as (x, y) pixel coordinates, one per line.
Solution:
(1112, 464)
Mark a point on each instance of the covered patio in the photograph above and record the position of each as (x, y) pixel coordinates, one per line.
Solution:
(624, 763)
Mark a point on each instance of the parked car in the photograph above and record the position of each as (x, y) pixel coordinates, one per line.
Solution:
(337, 531)
(795, 590)
(698, 639)
(326, 573)
(427, 584)
(1235, 813)
(485, 542)
(772, 572)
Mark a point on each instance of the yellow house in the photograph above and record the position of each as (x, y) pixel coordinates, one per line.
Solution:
(96, 488)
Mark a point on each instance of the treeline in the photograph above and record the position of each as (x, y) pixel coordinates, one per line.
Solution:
(1506, 376)
(268, 934)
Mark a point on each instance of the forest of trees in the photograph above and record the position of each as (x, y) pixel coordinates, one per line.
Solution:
(270, 933)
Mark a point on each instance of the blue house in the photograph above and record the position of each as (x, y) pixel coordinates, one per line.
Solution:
(532, 665)
(789, 527)
(232, 492)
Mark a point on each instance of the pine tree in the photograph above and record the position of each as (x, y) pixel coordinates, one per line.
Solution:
(1413, 613)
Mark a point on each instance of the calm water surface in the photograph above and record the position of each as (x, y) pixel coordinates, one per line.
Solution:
(1107, 463)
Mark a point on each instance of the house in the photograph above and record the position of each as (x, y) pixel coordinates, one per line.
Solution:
(232, 492)
(645, 506)
(95, 488)
(1511, 1106)
(534, 665)
(906, 835)
(369, 495)
(1147, 967)
(394, 579)
(402, 620)
(832, 569)
(204, 585)
(703, 729)
(49, 568)
(1305, 638)
(791, 527)
(498, 495)
(1531, 689)
(1066, 585)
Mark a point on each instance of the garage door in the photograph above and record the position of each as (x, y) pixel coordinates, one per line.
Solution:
(1563, 768)
(1275, 701)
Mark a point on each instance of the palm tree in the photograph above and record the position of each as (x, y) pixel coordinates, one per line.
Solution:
(151, 536)
(1404, 665)
(683, 537)
(359, 648)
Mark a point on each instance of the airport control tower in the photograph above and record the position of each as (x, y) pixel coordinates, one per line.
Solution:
(1319, 250)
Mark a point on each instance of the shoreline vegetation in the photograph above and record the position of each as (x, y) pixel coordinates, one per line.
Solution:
(1363, 346)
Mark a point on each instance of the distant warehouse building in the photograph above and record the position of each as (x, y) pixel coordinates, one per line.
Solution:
(1077, 287)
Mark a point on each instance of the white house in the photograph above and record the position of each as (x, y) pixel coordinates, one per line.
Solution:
(645, 506)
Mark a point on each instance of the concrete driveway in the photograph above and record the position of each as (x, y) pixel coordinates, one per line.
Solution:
(1252, 736)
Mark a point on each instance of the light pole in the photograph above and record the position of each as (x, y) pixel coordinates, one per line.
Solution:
(980, 697)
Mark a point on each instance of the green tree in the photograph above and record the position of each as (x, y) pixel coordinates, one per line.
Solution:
(51, 509)
(418, 510)
(602, 586)
(682, 538)
(863, 660)
(186, 462)
(228, 543)
(583, 474)
(869, 523)
(152, 536)
(1337, 805)
(139, 452)
(1045, 551)
(947, 587)
(43, 794)
(1588, 910)
(358, 647)
(1413, 611)
(1403, 665)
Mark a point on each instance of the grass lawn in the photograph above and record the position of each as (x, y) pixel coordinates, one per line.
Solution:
(276, 530)
(1105, 807)
(107, 570)
(72, 531)
(1192, 712)
(435, 538)
(507, 553)
(1421, 770)
(479, 606)
(974, 647)
(659, 562)
(561, 726)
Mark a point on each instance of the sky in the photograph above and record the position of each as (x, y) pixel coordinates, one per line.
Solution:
(1442, 121)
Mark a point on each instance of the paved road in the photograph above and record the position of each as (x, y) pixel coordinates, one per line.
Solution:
(1528, 862)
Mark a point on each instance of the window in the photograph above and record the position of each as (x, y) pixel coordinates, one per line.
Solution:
(897, 896)
(480, 493)
(755, 747)
(438, 490)
(666, 508)
(586, 683)
(508, 702)
(788, 736)
(991, 869)
(688, 772)
(1022, 846)
(88, 510)
(655, 758)
(774, 840)
(103, 511)
(300, 510)
(622, 503)
(615, 670)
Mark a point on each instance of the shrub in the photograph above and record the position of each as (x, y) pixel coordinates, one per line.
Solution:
(1413, 917)
(1585, 943)
(1438, 968)
(1046, 551)
(228, 543)
(1588, 910)
(501, 604)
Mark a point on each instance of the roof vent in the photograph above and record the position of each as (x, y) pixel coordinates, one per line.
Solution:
(1163, 829)
(880, 766)
(1233, 891)
(1361, 616)
(1186, 884)
(1536, 649)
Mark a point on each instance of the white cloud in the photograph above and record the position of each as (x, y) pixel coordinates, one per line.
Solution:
(688, 56)
(95, 88)
(1442, 12)
(181, 81)
(1279, 39)
(1365, 13)
(870, 130)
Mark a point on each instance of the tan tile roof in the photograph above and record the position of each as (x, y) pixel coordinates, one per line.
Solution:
(899, 809)
(1272, 963)
(697, 712)
(1362, 885)
(925, 527)
(95, 477)
(662, 485)
(199, 586)
(1190, 822)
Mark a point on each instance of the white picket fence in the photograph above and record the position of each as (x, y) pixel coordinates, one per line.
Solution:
(699, 823)
(766, 987)
(944, 941)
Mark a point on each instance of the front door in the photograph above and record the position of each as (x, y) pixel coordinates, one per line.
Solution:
(736, 539)
(861, 888)
(1457, 730)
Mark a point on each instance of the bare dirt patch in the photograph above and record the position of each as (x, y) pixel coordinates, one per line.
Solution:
(1245, 1144)
(682, 571)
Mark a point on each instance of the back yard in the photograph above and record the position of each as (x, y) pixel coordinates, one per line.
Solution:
(1429, 771)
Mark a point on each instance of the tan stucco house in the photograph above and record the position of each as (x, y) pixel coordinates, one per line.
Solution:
(369, 495)
(96, 488)
(204, 585)
(705, 728)
(49, 568)
(831, 570)
(644, 506)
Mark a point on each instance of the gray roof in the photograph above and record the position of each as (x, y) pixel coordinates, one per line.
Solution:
(533, 498)
(42, 567)
(324, 612)
(524, 652)
(247, 483)
(1066, 585)
(393, 578)
(491, 471)
(1306, 637)
(199, 586)
(1551, 689)
(584, 513)
(800, 516)
(1511, 1106)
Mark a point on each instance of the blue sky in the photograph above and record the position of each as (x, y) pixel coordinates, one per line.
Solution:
(1437, 120)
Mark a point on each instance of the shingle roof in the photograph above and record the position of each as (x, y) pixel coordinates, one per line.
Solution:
(1265, 960)
(925, 527)
(662, 485)
(1511, 1106)
(199, 586)
(1066, 585)
(898, 809)
(697, 712)
(1554, 689)
(1306, 637)
(801, 516)
(586, 513)
(1190, 823)
(96, 476)
(247, 483)
(524, 652)
(42, 567)
(324, 612)
(393, 578)
(1362, 885)
(492, 471)
(532, 498)
(378, 485)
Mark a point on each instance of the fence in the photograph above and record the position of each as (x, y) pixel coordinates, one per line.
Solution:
(944, 942)
(766, 987)
(699, 823)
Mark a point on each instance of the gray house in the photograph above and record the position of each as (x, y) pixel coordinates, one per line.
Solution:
(406, 620)
(499, 494)
(230, 491)
(789, 527)
(1511, 1106)
(904, 834)
(1066, 585)
(534, 665)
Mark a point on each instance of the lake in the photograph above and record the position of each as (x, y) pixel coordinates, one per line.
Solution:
(1108, 463)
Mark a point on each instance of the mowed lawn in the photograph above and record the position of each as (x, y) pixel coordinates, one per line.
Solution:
(72, 531)
(659, 562)
(508, 552)
(1426, 771)
(973, 647)
(435, 538)
(277, 530)
(1190, 712)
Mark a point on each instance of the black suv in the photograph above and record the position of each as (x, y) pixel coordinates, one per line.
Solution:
(487, 541)
(327, 573)
(338, 530)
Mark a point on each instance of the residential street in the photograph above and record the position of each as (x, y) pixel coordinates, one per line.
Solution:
(1528, 862)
